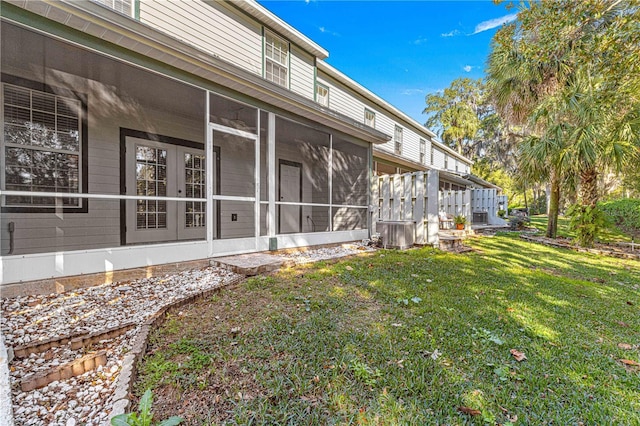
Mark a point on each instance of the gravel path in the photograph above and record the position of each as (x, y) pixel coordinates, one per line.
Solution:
(87, 399)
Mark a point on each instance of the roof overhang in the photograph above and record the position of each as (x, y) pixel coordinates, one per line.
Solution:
(454, 178)
(98, 21)
(381, 154)
(482, 182)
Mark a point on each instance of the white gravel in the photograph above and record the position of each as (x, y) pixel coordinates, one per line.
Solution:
(87, 399)
(306, 256)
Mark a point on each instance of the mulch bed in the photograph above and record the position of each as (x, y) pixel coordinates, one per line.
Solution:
(614, 250)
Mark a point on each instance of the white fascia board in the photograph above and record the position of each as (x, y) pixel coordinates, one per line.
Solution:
(331, 71)
(263, 15)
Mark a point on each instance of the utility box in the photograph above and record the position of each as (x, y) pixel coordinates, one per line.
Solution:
(481, 218)
(398, 234)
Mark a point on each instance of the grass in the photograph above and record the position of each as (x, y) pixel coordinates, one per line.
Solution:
(608, 235)
(410, 338)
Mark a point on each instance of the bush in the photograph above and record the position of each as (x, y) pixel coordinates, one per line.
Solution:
(625, 214)
(586, 222)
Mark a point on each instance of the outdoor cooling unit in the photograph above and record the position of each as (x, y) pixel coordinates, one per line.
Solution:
(480, 217)
(397, 234)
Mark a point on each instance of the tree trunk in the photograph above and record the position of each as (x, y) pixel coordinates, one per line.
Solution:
(589, 187)
(554, 204)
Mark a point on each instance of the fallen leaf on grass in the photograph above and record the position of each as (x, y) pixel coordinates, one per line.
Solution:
(469, 411)
(623, 324)
(519, 356)
(348, 268)
(629, 303)
(415, 275)
(630, 362)
(625, 346)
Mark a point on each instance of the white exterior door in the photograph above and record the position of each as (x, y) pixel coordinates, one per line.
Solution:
(160, 169)
(290, 192)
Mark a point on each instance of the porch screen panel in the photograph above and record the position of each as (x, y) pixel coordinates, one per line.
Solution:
(350, 173)
(237, 164)
(302, 178)
(67, 115)
(237, 219)
(349, 219)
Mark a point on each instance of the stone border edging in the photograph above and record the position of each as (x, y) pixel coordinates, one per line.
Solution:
(611, 253)
(124, 382)
(77, 340)
(70, 369)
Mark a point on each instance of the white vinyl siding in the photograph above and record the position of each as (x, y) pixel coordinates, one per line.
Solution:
(302, 71)
(211, 27)
(276, 59)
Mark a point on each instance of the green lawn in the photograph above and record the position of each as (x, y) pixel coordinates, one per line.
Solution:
(409, 338)
(609, 234)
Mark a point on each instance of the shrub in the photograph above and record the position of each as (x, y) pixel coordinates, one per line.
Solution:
(625, 214)
(586, 222)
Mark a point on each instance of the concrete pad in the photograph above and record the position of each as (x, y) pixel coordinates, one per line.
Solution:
(250, 264)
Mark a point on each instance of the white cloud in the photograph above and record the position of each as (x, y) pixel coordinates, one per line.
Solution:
(494, 23)
(467, 68)
(420, 40)
(450, 33)
(326, 31)
(411, 92)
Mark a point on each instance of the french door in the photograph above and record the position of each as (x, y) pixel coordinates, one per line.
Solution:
(158, 169)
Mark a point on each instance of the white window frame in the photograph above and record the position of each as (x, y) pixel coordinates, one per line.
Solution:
(277, 44)
(126, 7)
(322, 99)
(397, 140)
(27, 207)
(371, 122)
(423, 151)
(446, 161)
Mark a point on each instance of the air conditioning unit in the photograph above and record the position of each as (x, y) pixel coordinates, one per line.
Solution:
(397, 234)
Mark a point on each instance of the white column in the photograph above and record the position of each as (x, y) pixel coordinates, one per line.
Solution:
(209, 176)
(271, 154)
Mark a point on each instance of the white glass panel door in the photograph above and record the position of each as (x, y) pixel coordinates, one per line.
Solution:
(191, 184)
(157, 169)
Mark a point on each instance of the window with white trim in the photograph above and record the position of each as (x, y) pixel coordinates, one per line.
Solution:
(370, 118)
(122, 6)
(432, 154)
(276, 59)
(423, 151)
(322, 94)
(42, 146)
(446, 161)
(397, 139)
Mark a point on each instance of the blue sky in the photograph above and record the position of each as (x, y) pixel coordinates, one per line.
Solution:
(400, 50)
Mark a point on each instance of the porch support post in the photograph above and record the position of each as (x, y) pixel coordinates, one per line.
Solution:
(257, 183)
(433, 224)
(209, 176)
(271, 153)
